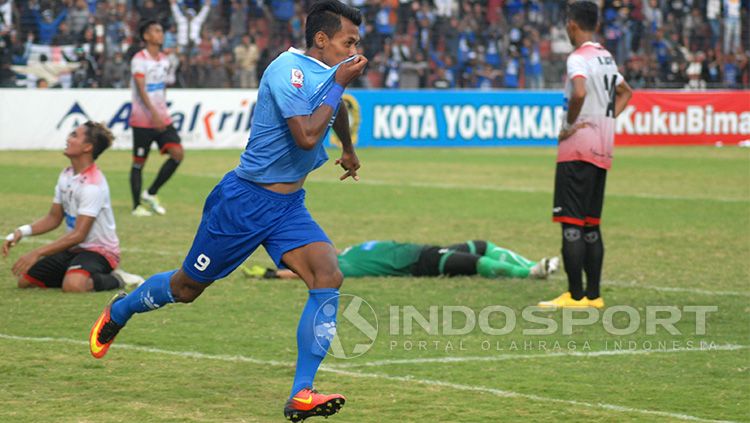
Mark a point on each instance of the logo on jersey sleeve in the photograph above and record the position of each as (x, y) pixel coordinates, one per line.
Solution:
(297, 78)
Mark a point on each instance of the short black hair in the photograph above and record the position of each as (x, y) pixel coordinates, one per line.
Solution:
(98, 135)
(325, 15)
(585, 13)
(145, 25)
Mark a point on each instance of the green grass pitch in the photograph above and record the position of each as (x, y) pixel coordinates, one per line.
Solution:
(676, 227)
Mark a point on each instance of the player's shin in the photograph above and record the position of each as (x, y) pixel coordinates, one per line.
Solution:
(574, 252)
(317, 327)
(490, 268)
(154, 293)
(105, 282)
(165, 172)
(593, 261)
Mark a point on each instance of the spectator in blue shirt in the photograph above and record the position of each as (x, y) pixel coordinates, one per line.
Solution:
(512, 69)
(47, 25)
(532, 65)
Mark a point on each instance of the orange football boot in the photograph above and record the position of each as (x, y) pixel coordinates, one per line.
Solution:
(308, 403)
(104, 330)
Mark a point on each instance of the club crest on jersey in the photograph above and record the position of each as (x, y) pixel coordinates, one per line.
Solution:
(297, 78)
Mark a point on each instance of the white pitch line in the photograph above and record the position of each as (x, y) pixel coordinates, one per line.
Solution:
(532, 397)
(410, 379)
(479, 187)
(506, 357)
(634, 284)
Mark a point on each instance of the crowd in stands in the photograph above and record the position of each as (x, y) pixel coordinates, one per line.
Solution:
(486, 44)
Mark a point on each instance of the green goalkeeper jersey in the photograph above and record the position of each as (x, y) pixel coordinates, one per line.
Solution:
(379, 258)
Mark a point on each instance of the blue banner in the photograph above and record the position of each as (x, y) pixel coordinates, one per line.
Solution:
(452, 118)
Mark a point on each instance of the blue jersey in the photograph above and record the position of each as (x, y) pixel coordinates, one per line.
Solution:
(293, 85)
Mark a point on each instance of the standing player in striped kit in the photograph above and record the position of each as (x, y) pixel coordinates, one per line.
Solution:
(595, 94)
(150, 118)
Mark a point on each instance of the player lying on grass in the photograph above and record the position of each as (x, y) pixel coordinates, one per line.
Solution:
(83, 259)
(261, 202)
(391, 258)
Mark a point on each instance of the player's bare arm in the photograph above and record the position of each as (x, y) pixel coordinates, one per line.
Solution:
(575, 103)
(70, 239)
(47, 223)
(623, 94)
(308, 130)
(140, 83)
(349, 160)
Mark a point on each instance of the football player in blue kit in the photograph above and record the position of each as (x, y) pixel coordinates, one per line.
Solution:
(261, 202)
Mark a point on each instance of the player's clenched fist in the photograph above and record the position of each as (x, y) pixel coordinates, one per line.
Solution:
(349, 71)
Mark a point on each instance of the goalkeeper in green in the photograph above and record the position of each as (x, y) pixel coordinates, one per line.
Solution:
(391, 258)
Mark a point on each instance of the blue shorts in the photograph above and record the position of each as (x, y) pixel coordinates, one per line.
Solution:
(240, 215)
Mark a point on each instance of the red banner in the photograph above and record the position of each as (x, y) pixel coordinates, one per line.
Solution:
(669, 117)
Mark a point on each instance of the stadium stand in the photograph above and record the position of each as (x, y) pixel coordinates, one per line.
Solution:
(693, 44)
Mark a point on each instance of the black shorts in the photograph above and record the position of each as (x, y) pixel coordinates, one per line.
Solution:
(50, 271)
(143, 137)
(436, 261)
(579, 193)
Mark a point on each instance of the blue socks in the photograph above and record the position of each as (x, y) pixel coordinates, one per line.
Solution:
(317, 327)
(152, 294)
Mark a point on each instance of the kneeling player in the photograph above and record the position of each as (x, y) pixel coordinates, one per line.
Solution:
(84, 258)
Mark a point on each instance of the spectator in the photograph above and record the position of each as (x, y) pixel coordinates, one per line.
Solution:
(661, 48)
(115, 32)
(282, 11)
(532, 65)
(78, 18)
(653, 15)
(487, 77)
(43, 69)
(413, 73)
(246, 56)
(6, 15)
(695, 72)
(383, 26)
(85, 76)
(440, 81)
(731, 72)
(494, 32)
(713, 15)
(189, 27)
(634, 73)
(445, 8)
(743, 64)
(217, 76)
(237, 21)
(46, 24)
(20, 53)
(116, 72)
(512, 70)
(732, 27)
(711, 69)
(64, 36)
